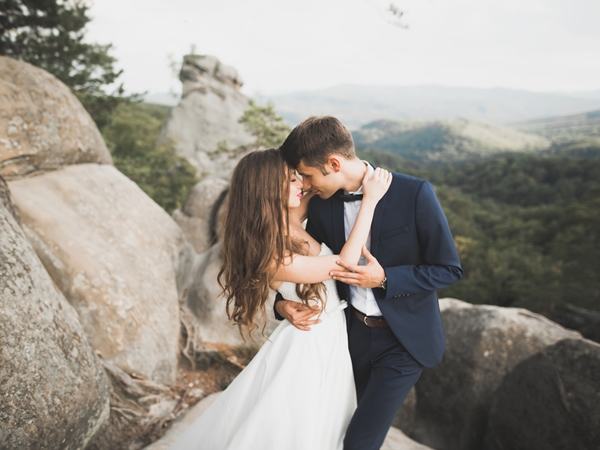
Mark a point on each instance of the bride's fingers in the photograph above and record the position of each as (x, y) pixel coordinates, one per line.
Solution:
(381, 173)
(307, 323)
(381, 176)
(304, 325)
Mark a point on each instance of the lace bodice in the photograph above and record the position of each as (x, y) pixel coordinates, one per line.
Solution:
(288, 289)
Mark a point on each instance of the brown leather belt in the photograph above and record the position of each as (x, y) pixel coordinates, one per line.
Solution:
(373, 322)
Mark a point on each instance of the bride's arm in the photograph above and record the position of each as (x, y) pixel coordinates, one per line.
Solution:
(314, 269)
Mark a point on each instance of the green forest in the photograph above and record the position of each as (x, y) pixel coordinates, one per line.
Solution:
(527, 227)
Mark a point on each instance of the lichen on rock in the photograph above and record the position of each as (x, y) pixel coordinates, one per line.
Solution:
(54, 391)
(43, 126)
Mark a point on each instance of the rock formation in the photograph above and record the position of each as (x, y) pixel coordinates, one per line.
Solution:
(42, 124)
(206, 303)
(484, 344)
(204, 126)
(6, 200)
(206, 130)
(551, 400)
(121, 262)
(199, 212)
(114, 253)
(54, 393)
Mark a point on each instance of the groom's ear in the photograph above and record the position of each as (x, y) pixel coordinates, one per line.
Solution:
(335, 163)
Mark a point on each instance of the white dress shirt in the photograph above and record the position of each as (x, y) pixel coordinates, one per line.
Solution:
(361, 298)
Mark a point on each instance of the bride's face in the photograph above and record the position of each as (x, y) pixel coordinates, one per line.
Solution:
(295, 190)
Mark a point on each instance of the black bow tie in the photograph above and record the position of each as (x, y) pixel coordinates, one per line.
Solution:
(349, 197)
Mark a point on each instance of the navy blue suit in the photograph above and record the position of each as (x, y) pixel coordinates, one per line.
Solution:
(411, 240)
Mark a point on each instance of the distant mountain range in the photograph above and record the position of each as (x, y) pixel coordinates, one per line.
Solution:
(445, 141)
(358, 105)
(163, 98)
(583, 94)
(573, 135)
(564, 128)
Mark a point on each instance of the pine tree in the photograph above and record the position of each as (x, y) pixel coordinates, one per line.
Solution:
(50, 34)
(265, 125)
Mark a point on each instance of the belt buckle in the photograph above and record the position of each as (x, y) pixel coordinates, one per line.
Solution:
(365, 320)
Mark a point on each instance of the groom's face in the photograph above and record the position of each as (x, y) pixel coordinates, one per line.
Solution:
(313, 179)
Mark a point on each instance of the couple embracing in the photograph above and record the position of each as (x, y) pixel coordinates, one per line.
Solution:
(356, 295)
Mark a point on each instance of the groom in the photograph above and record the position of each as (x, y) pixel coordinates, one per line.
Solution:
(394, 322)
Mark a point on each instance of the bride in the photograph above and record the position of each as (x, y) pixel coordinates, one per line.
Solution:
(298, 392)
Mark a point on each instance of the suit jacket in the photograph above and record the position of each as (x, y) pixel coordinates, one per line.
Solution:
(411, 240)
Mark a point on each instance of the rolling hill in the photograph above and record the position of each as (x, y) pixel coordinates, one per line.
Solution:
(445, 141)
(564, 127)
(572, 135)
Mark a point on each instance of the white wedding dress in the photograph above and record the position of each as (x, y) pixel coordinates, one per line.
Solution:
(297, 393)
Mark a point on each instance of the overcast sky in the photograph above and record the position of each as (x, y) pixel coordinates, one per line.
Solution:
(284, 46)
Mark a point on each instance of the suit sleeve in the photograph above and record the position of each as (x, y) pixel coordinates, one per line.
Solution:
(278, 298)
(442, 265)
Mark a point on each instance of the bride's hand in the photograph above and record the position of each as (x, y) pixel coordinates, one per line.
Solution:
(374, 188)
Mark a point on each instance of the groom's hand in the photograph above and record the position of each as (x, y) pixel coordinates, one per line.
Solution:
(297, 314)
(369, 276)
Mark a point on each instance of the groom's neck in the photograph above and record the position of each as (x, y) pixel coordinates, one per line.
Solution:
(355, 172)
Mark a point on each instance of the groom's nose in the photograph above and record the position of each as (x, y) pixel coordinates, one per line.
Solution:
(306, 184)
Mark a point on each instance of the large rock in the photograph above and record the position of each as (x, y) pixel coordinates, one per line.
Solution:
(484, 344)
(42, 124)
(114, 253)
(53, 391)
(198, 215)
(586, 321)
(6, 200)
(204, 126)
(397, 440)
(549, 401)
(209, 307)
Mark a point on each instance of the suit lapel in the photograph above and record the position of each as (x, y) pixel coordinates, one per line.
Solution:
(377, 219)
(339, 239)
(337, 218)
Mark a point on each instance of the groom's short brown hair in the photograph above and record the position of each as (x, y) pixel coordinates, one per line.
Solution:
(315, 139)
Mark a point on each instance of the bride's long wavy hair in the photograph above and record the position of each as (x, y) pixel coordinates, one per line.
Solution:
(255, 235)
